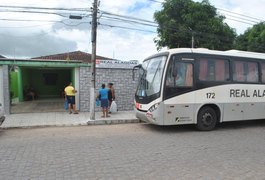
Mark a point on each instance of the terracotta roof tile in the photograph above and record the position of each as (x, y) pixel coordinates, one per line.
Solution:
(76, 55)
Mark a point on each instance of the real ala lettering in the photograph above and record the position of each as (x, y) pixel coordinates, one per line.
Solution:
(238, 93)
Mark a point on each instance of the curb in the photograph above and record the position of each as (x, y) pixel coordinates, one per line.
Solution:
(109, 122)
(85, 123)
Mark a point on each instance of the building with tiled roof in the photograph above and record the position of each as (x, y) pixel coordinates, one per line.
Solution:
(76, 55)
(2, 56)
(48, 76)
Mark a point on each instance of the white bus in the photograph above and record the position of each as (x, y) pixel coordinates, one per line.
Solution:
(201, 87)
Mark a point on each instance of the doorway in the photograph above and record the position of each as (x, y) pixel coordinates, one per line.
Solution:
(38, 89)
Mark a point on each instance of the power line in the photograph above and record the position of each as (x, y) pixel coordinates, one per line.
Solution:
(128, 21)
(122, 27)
(232, 19)
(46, 8)
(202, 34)
(243, 19)
(127, 17)
(32, 20)
(28, 20)
(156, 1)
(240, 14)
(42, 12)
(35, 12)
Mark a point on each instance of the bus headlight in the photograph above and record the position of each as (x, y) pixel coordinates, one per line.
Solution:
(154, 107)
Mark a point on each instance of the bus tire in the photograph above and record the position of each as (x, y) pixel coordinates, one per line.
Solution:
(206, 119)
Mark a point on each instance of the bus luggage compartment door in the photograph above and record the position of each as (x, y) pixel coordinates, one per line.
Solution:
(178, 114)
(233, 111)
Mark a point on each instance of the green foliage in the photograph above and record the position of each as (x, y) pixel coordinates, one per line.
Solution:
(180, 19)
(253, 39)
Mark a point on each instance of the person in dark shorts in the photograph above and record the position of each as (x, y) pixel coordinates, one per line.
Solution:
(111, 94)
(103, 94)
(70, 96)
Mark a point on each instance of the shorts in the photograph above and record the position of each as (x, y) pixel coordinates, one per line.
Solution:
(71, 99)
(104, 103)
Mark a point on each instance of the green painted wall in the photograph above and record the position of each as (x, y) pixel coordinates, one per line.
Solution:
(73, 76)
(25, 73)
(46, 82)
(14, 84)
(20, 85)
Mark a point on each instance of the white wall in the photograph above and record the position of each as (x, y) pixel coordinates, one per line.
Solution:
(76, 85)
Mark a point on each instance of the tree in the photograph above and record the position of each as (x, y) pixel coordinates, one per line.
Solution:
(253, 39)
(179, 20)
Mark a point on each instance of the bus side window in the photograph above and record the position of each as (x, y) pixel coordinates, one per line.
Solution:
(263, 72)
(179, 78)
(213, 69)
(179, 74)
(245, 71)
(169, 75)
(252, 72)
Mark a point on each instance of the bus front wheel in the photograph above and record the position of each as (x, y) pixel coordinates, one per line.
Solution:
(206, 119)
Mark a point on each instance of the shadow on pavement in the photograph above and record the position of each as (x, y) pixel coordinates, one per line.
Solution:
(169, 129)
(191, 128)
(241, 124)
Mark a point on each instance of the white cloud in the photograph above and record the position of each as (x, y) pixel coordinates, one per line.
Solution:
(134, 46)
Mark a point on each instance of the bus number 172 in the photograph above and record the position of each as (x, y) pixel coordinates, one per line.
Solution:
(210, 95)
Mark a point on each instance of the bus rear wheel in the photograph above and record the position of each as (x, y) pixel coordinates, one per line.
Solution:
(206, 119)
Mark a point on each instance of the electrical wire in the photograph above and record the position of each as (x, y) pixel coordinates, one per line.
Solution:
(35, 12)
(28, 20)
(156, 1)
(46, 8)
(128, 28)
(128, 21)
(257, 19)
(127, 17)
(232, 19)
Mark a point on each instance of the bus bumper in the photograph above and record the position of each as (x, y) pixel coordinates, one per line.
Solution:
(143, 116)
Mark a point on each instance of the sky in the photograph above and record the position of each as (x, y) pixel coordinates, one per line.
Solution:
(45, 34)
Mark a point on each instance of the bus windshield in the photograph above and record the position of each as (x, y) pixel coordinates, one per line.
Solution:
(151, 77)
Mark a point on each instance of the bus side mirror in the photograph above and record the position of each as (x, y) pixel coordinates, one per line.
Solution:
(141, 71)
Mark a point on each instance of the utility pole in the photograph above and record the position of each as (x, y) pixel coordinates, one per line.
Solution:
(192, 37)
(93, 59)
(192, 40)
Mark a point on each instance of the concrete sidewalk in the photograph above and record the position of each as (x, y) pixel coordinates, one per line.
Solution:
(28, 120)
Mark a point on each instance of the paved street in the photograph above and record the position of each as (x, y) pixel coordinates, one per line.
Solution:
(134, 151)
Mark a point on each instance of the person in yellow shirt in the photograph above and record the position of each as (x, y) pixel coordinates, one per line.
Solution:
(70, 96)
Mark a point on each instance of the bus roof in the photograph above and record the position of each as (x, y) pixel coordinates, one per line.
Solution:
(234, 53)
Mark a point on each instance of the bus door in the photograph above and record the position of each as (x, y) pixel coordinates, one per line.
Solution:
(178, 84)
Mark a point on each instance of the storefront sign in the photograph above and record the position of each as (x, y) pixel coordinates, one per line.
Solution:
(116, 64)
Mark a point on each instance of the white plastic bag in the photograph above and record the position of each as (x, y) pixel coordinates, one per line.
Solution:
(113, 108)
